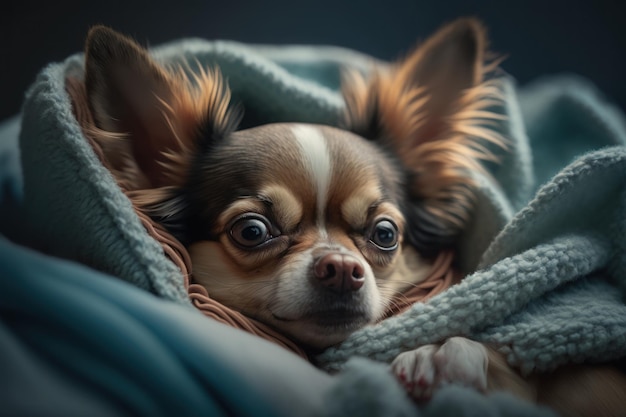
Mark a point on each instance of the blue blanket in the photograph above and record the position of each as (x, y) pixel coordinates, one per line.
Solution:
(544, 256)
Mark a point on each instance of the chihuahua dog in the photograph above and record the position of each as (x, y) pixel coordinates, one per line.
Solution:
(314, 230)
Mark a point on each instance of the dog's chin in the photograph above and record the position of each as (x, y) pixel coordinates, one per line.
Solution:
(323, 329)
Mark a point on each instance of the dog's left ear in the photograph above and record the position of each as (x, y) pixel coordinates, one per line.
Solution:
(429, 109)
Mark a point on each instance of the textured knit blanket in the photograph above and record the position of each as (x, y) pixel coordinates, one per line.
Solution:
(545, 254)
(549, 283)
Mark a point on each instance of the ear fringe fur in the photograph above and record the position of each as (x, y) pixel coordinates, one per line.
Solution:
(443, 167)
(381, 107)
(197, 111)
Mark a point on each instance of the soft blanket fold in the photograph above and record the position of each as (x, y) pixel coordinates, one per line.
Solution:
(545, 254)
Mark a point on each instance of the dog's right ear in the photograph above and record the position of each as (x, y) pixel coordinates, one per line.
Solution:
(433, 110)
(163, 115)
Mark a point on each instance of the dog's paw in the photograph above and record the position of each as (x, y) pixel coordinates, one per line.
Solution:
(458, 361)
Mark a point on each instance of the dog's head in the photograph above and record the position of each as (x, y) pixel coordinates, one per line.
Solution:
(311, 229)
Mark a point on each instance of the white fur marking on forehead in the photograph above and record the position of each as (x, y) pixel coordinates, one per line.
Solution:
(317, 160)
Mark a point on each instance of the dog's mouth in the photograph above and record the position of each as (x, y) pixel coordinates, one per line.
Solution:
(322, 329)
(339, 319)
(322, 318)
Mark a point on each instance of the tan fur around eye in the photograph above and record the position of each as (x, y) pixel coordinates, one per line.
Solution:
(355, 209)
(287, 208)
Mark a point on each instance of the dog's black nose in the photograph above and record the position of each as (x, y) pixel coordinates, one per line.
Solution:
(339, 272)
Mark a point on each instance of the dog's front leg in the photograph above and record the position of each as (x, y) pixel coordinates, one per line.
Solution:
(458, 361)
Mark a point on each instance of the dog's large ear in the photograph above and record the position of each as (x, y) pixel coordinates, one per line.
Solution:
(162, 115)
(431, 110)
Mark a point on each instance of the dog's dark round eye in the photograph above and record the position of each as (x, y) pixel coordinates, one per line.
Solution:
(385, 235)
(250, 231)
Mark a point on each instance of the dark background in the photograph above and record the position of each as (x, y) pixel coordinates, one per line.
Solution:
(539, 37)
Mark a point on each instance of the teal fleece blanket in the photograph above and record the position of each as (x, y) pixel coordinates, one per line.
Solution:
(544, 254)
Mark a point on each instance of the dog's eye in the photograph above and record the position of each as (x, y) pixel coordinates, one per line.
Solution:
(250, 231)
(385, 235)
